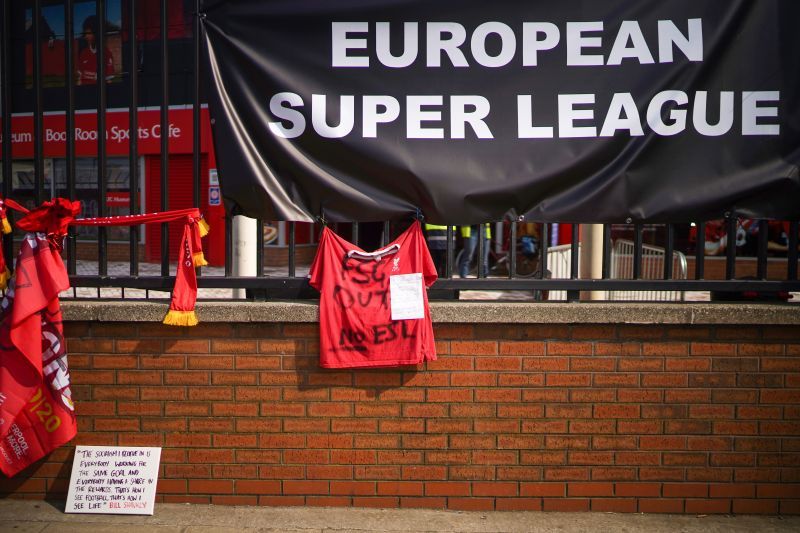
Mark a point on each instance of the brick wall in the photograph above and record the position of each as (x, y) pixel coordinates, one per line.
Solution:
(682, 419)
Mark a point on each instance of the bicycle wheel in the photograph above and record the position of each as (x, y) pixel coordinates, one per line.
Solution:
(526, 267)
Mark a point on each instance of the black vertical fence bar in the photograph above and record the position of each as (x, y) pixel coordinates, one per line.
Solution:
(545, 244)
(102, 235)
(292, 248)
(354, 233)
(669, 249)
(69, 84)
(700, 251)
(228, 245)
(574, 252)
(259, 247)
(730, 255)
(638, 230)
(607, 244)
(387, 232)
(791, 255)
(164, 138)
(512, 251)
(481, 248)
(5, 97)
(574, 296)
(196, 109)
(763, 233)
(38, 107)
(449, 256)
(133, 145)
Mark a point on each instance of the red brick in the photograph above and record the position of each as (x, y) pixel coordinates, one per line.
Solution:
(470, 504)
(207, 486)
(353, 457)
(665, 379)
(281, 501)
(473, 380)
(519, 504)
(662, 443)
(732, 490)
(510, 364)
(545, 364)
(617, 349)
(614, 505)
(710, 443)
(660, 506)
(459, 347)
(590, 489)
(233, 378)
(616, 411)
(257, 487)
(569, 348)
(205, 362)
(708, 506)
(591, 426)
(566, 474)
(564, 505)
(401, 426)
(186, 346)
(161, 393)
(498, 395)
(685, 490)
(447, 488)
(525, 348)
(590, 458)
(496, 488)
(778, 490)
(186, 377)
(378, 502)
(400, 488)
(329, 472)
(376, 472)
(593, 395)
(640, 490)
(424, 472)
(614, 473)
(352, 488)
(641, 364)
(211, 393)
(742, 506)
(497, 426)
(544, 426)
(449, 395)
(688, 364)
(617, 379)
(305, 487)
(521, 380)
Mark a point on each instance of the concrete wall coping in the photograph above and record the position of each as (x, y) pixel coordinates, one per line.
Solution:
(484, 312)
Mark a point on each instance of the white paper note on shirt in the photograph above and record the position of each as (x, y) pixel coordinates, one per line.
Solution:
(405, 292)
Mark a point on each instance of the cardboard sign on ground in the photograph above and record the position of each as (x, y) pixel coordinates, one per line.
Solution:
(113, 480)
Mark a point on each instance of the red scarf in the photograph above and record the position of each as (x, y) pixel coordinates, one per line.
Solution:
(190, 255)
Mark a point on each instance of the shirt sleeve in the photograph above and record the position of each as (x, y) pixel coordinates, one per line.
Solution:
(318, 265)
(428, 267)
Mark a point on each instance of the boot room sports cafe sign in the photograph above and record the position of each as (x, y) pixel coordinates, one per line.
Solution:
(560, 110)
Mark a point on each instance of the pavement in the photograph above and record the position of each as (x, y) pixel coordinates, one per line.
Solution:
(26, 516)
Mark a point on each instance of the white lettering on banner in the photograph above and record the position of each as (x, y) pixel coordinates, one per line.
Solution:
(583, 40)
(751, 112)
(666, 114)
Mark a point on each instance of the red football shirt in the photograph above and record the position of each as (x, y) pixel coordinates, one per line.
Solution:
(355, 309)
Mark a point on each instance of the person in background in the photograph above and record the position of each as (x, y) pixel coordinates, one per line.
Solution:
(437, 244)
(470, 235)
(87, 55)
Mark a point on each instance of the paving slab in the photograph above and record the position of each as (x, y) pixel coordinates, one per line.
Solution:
(48, 517)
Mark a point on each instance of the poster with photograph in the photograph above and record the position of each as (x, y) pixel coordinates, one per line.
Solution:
(52, 44)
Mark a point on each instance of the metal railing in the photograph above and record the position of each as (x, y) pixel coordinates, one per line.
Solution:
(643, 276)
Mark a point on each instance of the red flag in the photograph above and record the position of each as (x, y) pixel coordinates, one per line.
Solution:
(36, 411)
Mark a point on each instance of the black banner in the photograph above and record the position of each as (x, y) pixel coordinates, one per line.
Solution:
(567, 110)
